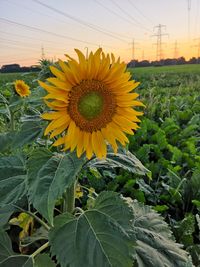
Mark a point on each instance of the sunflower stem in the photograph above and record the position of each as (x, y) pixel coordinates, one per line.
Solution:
(69, 199)
(40, 249)
(12, 122)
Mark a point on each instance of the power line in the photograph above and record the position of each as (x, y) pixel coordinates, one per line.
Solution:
(89, 25)
(131, 17)
(159, 43)
(25, 44)
(28, 37)
(140, 12)
(47, 32)
(114, 13)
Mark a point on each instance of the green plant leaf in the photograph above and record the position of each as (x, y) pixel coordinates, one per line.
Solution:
(5, 141)
(17, 261)
(29, 132)
(43, 260)
(5, 246)
(123, 159)
(48, 177)
(101, 236)
(185, 229)
(12, 179)
(5, 213)
(155, 244)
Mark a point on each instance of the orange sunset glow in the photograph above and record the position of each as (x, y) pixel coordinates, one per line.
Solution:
(127, 28)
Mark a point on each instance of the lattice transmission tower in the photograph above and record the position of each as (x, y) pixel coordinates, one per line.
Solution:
(159, 35)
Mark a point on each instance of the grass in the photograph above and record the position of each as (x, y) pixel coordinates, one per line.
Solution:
(187, 68)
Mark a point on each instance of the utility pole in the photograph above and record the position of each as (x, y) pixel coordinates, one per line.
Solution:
(42, 52)
(176, 52)
(142, 55)
(133, 44)
(159, 43)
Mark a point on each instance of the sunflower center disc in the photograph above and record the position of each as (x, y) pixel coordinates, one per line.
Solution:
(91, 105)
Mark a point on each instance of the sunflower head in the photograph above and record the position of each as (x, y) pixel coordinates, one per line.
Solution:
(22, 88)
(92, 103)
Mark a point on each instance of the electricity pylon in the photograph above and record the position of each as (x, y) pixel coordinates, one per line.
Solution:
(159, 43)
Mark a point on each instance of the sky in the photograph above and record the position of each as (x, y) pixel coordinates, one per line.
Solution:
(32, 29)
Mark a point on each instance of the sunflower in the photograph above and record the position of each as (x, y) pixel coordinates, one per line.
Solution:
(92, 103)
(22, 88)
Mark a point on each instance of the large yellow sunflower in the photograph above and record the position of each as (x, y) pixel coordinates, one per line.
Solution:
(22, 88)
(92, 103)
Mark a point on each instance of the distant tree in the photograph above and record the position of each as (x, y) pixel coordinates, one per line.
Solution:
(181, 60)
(10, 68)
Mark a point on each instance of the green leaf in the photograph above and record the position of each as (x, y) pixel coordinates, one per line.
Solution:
(12, 179)
(184, 230)
(155, 244)
(43, 260)
(160, 208)
(123, 159)
(17, 261)
(48, 177)
(40, 234)
(101, 236)
(5, 246)
(5, 141)
(5, 214)
(29, 132)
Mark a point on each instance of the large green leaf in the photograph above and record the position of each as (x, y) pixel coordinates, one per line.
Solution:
(123, 159)
(5, 141)
(155, 244)
(99, 237)
(5, 213)
(17, 261)
(43, 260)
(8, 258)
(5, 246)
(12, 179)
(30, 131)
(48, 177)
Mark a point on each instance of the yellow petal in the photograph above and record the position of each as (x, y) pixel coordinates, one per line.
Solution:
(59, 96)
(56, 124)
(59, 130)
(59, 74)
(95, 145)
(51, 116)
(60, 84)
(88, 149)
(71, 77)
(80, 144)
(59, 142)
(48, 88)
(101, 144)
(74, 138)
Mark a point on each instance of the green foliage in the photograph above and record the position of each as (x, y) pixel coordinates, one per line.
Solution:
(12, 179)
(17, 261)
(155, 245)
(100, 236)
(5, 246)
(103, 229)
(48, 177)
(43, 260)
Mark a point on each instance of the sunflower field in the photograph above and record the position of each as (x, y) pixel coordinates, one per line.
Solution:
(100, 165)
